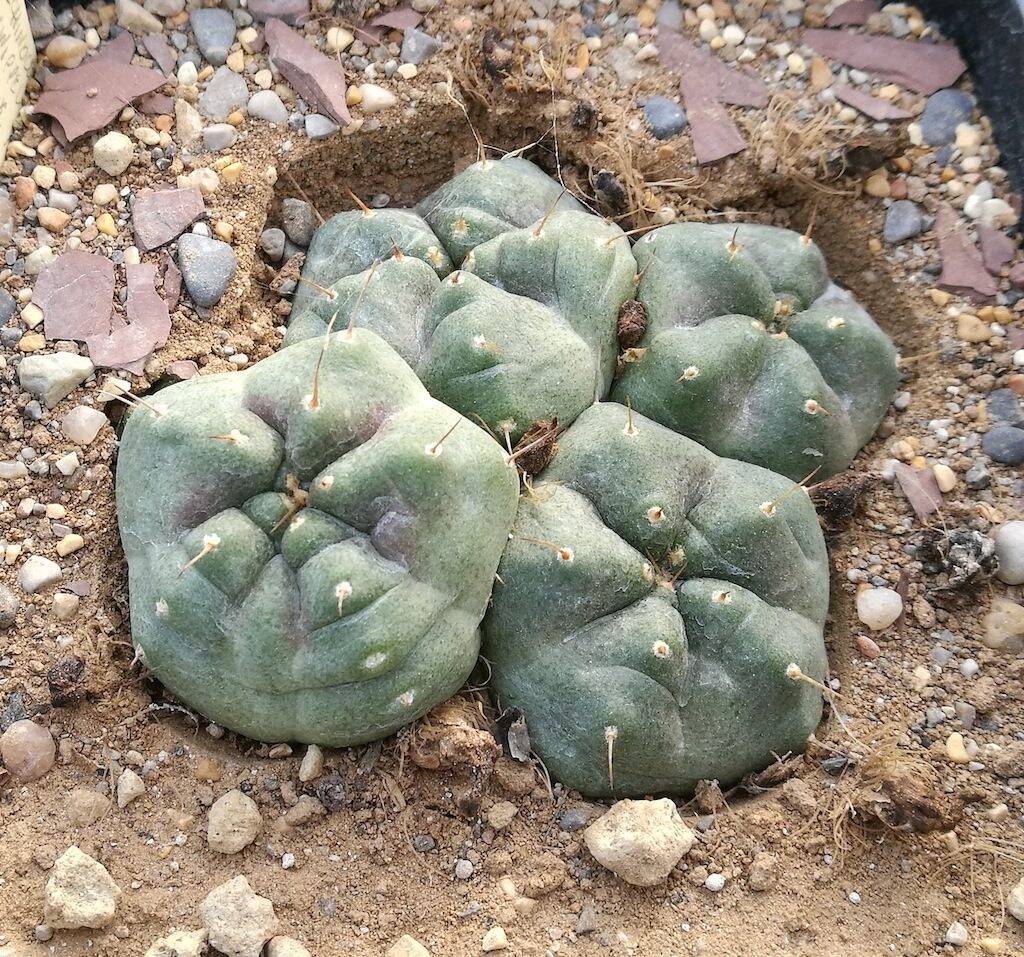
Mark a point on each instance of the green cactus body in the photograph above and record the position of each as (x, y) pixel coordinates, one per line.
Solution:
(751, 352)
(652, 597)
(310, 565)
(491, 197)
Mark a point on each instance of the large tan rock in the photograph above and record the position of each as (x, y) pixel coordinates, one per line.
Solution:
(180, 943)
(79, 892)
(234, 822)
(640, 841)
(237, 919)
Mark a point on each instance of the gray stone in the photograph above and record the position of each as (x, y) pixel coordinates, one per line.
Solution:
(272, 243)
(670, 16)
(9, 607)
(664, 118)
(8, 307)
(1005, 444)
(418, 46)
(40, 18)
(267, 105)
(225, 92)
(319, 126)
(219, 136)
(52, 377)
(1004, 408)
(215, 32)
(1009, 539)
(207, 266)
(299, 221)
(903, 221)
(943, 112)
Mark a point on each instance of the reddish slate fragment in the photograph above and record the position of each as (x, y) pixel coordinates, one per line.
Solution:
(318, 79)
(853, 13)
(182, 369)
(1016, 275)
(963, 270)
(402, 18)
(725, 84)
(873, 106)
(714, 134)
(76, 295)
(119, 50)
(81, 588)
(925, 67)
(160, 50)
(172, 280)
(148, 325)
(155, 104)
(291, 11)
(164, 214)
(921, 489)
(997, 248)
(88, 97)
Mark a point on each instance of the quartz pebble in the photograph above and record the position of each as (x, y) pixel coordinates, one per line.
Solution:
(82, 424)
(285, 947)
(376, 98)
(52, 377)
(878, 608)
(28, 750)
(1009, 539)
(640, 841)
(495, 939)
(113, 153)
(956, 934)
(79, 892)
(238, 920)
(312, 765)
(37, 573)
(1015, 901)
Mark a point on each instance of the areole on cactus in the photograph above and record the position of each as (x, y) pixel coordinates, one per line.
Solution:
(659, 579)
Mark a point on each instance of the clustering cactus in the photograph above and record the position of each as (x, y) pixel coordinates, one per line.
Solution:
(311, 542)
(652, 600)
(306, 564)
(734, 335)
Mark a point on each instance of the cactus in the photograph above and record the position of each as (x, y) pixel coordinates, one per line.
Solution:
(651, 601)
(311, 542)
(736, 338)
(749, 350)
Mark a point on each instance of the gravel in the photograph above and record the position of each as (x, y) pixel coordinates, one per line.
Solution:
(207, 266)
(943, 113)
(267, 105)
(54, 376)
(664, 118)
(225, 93)
(215, 32)
(1004, 444)
(903, 221)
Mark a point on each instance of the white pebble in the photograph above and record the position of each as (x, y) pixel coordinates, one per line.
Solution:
(715, 882)
(957, 934)
(1009, 539)
(878, 608)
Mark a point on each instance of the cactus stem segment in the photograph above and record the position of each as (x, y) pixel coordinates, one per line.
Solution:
(564, 553)
(341, 592)
(350, 331)
(437, 447)
(794, 673)
(547, 215)
(210, 544)
(610, 734)
(770, 508)
(367, 212)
